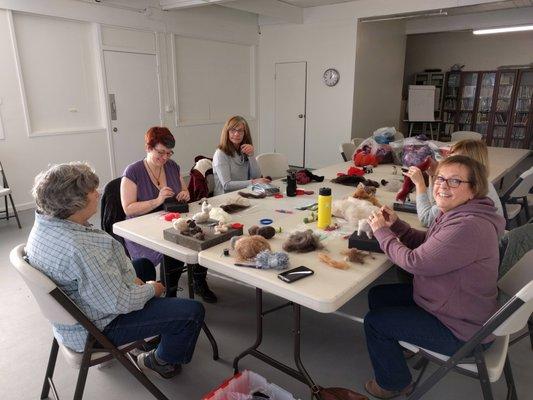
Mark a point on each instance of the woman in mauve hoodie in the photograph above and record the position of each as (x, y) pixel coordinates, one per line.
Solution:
(455, 268)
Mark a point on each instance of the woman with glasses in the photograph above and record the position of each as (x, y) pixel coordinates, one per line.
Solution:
(455, 269)
(145, 186)
(425, 207)
(234, 163)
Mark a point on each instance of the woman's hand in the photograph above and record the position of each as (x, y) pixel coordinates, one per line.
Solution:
(390, 216)
(184, 196)
(377, 220)
(260, 180)
(418, 179)
(247, 149)
(164, 193)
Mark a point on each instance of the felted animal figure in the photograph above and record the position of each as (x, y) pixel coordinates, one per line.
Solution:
(202, 216)
(408, 184)
(364, 226)
(353, 210)
(366, 193)
(219, 215)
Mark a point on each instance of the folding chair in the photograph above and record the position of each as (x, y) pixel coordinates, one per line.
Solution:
(347, 150)
(486, 365)
(5, 192)
(514, 200)
(462, 135)
(57, 307)
(274, 165)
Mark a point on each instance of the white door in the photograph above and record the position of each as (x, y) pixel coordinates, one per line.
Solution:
(289, 137)
(133, 90)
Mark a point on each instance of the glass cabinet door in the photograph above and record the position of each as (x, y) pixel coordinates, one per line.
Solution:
(468, 99)
(522, 111)
(449, 108)
(502, 111)
(486, 92)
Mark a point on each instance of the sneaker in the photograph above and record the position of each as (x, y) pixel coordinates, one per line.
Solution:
(148, 363)
(377, 391)
(203, 290)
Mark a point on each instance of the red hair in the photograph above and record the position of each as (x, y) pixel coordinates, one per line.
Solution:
(159, 134)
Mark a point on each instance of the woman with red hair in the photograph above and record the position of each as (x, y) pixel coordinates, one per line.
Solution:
(145, 186)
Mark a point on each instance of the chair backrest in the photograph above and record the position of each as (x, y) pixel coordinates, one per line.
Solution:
(3, 179)
(40, 286)
(518, 281)
(398, 136)
(524, 184)
(357, 141)
(347, 150)
(111, 210)
(274, 165)
(518, 319)
(462, 135)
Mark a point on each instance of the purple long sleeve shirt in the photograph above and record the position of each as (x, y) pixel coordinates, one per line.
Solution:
(454, 263)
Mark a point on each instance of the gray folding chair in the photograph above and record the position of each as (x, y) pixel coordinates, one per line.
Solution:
(515, 199)
(462, 135)
(486, 365)
(274, 165)
(5, 192)
(57, 307)
(347, 150)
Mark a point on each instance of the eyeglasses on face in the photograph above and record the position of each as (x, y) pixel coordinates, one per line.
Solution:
(451, 182)
(163, 153)
(235, 131)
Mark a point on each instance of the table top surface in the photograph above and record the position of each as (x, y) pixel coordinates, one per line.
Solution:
(329, 288)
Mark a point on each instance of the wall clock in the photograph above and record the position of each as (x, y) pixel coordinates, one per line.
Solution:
(331, 77)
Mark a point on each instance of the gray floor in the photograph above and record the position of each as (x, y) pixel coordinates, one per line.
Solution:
(333, 346)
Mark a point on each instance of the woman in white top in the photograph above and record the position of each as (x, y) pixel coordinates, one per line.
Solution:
(426, 208)
(234, 163)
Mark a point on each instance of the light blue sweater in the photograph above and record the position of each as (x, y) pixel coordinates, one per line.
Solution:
(233, 173)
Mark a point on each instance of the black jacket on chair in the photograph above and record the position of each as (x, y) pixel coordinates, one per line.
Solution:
(111, 210)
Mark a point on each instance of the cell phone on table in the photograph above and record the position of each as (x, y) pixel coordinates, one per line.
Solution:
(295, 274)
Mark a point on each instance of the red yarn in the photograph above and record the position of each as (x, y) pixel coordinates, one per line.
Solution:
(170, 216)
(408, 184)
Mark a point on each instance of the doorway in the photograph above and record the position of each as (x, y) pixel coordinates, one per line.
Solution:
(290, 96)
(133, 90)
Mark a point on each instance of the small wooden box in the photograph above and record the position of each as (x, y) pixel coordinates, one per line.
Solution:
(211, 239)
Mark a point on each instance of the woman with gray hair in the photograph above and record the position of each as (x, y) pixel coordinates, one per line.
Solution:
(93, 270)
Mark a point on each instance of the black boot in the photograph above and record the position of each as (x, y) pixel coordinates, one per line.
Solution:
(200, 285)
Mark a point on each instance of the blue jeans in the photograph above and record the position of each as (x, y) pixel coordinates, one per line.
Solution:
(178, 322)
(394, 316)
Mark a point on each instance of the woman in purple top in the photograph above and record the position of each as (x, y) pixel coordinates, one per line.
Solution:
(145, 186)
(455, 268)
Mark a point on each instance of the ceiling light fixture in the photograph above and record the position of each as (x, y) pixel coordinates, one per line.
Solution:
(440, 13)
(503, 30)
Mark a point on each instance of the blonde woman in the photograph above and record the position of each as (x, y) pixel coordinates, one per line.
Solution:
(426, 209)
(234, 163)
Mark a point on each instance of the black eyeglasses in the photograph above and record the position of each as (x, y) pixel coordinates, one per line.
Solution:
(451, 182)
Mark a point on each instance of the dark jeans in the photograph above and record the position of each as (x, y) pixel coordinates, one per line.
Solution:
(177, 321)
(394, 317)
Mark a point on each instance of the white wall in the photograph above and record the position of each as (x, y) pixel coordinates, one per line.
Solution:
(379, 69)
(23, 157)
(328, 109)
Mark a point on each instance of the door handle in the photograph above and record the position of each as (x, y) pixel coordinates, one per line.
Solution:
(300, 115)
(115, 129)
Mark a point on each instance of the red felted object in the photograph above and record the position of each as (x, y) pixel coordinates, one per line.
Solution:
(355, 171)
(170, 216)
(408, 184)
(278, 196)
(363, 157)
(237, 225)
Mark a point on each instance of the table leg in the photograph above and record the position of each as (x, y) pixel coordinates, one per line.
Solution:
(301, 373)
(210, 337)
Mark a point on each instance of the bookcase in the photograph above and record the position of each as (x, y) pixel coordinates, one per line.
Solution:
(497, 104)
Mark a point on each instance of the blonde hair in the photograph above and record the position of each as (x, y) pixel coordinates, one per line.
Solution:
(225, 144)
(477, 173)
(472, 148)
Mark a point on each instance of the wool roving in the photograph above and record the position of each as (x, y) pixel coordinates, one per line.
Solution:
(248, 247)
(302, 242)
(339, 264)
(269, 260)
(267, 232)
(355, 255)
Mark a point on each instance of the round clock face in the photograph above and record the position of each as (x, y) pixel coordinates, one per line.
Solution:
(331, 77)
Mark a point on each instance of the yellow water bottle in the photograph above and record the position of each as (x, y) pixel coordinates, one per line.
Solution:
(324, 208)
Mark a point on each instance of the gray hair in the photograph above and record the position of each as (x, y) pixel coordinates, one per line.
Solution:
(62, 190)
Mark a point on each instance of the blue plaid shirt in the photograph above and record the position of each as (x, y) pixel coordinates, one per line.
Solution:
(91, 268)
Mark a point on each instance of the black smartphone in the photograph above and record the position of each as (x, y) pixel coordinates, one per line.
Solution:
(295, 274)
